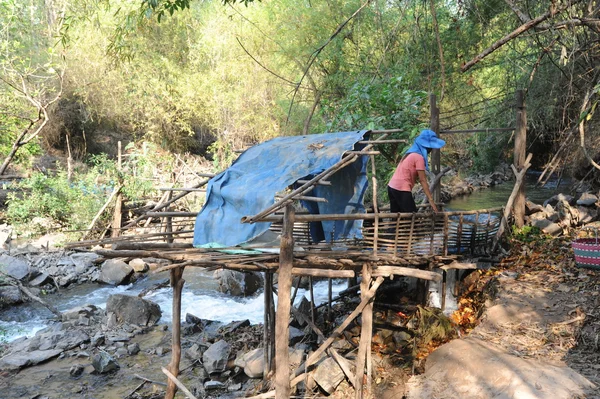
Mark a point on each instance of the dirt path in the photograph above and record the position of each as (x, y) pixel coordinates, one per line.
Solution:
(538, 337)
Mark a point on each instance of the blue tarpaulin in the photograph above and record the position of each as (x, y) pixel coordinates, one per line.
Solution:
(250, 184)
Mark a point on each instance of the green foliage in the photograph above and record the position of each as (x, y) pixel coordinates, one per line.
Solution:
(60, 203)
(486, 150)
(223, 155)
(527, 234)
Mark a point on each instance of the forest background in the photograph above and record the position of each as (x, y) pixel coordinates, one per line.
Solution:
(173, 77)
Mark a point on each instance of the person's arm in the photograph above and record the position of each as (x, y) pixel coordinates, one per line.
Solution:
(425, 185)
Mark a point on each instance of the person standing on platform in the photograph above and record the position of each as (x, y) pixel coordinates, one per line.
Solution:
(412, 165)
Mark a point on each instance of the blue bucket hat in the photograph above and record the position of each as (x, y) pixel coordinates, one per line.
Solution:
(426, 140)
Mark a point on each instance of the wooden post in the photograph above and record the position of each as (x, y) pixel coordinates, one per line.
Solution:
(375, 206)
(434, 124)
(267, 324)
(177, 283)
(519, 156)
(117, 216)
(366, 333)
(282, 328)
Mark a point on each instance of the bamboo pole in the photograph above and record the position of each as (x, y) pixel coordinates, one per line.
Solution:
(175, 381)
(177, 283)
(282, 330)
(365, 334)
(367, 216)
(375, 206)
(267, 323)
(118, 213)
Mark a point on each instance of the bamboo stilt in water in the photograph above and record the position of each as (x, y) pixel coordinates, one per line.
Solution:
(267, 322)
(365, 333)
(282, 328)
(177, 283)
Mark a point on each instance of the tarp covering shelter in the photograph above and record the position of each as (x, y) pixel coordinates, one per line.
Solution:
(251, 183)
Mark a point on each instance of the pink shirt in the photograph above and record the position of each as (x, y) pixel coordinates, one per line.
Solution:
(405, 176)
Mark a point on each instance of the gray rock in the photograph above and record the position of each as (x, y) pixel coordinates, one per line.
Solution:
(16, 268)
(10, 295)
(42, 279)
(104, 363)
(83, 261)
(133, 349)
(547, 227)
(216, 356)
(75, 313)
(252, 362)
(238, 283)
(234, 387)
(211, 385)
(121, 352)
(234, 325)
(328, 375)
(194, 352)
(15, 361)
(139, 266)
(296, 335)
(76, 370)
(97, 339)
(63, 340)
(133, 310)
(587, 214)
(115, 272)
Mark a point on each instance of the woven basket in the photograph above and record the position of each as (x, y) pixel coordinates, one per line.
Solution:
(587, 252)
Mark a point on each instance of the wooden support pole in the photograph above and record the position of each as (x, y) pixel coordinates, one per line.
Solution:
(434, 124)
(365, 333)
(177, 283)
(375, 206)
(519, 175)
(519, 157)
(266, 332)
(117, 216)
(282, 328)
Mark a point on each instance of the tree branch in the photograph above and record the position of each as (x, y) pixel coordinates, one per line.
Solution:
(521, 29)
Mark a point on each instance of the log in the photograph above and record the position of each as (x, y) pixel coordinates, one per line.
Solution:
(282, 331)
(386, 271)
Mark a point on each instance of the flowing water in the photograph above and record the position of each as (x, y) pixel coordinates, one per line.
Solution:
(497, 196)
(200, 296)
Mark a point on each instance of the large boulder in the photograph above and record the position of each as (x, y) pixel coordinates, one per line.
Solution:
(14, 267)
(10, 295)
(133, 310)
(104, 363)
(115, 272)
(215, 358)
(238, 283)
